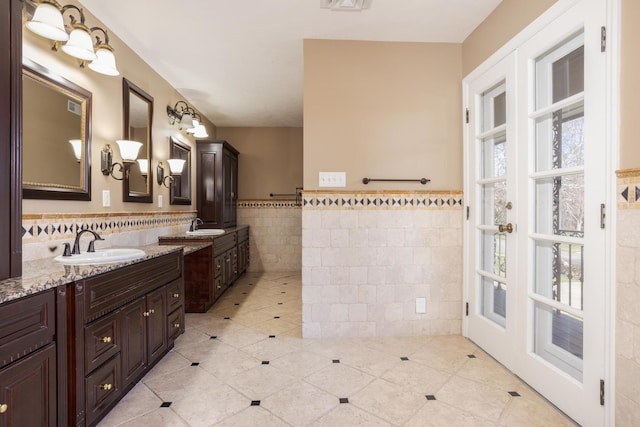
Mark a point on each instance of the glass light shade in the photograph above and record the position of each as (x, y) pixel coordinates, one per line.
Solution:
(105, 62)
(80, 44)
(47, 22)
(186, 122)
(77, 148)
(144, 166)
(129, 150)
(193, 127)
(176, 165)
(201, 132)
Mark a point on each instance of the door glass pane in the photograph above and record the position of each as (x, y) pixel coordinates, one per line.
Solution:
(560, 72)
(558, 339)
(494, 107)
(560, 138)
(494, 253)
(559, 205)
(559, 272)
(494, 156)
(494, 200)
(494, 301)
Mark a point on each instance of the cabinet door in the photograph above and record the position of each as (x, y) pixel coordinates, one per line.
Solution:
(156, 324)
(209, 183)
(134, 340)
(230, 188)
(28, 388)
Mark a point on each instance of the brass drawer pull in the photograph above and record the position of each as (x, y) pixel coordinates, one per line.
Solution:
(176, 325)
(151, 311)
(146, 314)
(176, 295)
(219, 287)
(105, 339)
(106, 387)
(3, 408)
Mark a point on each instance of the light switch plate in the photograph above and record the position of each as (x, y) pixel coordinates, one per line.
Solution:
(159, 200)
(421, 305)
(332, 179)
(106, 198)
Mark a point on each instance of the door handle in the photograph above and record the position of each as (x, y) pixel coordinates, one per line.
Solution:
(505, 228)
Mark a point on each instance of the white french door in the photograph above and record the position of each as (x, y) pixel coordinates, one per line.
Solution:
(536, 172)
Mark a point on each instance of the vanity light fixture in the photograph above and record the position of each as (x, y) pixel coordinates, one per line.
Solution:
(48, 22)
(356, 5)
(129, 153)
(77, 148)
(144, 167)
(187, 119)
(175, 168)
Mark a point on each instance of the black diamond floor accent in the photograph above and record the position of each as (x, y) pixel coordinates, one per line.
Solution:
(236, 304)
(404, 358)
(283, 292)
(255, 403)
(213, 337)
(336, 361)
(471, 356)
(265, 362)
(344, 400)
(276, 317)
(272, 336)
(195, 363)
(430, 397)
(514, 393)
(165, 404)
(279, 303)
(227, 318)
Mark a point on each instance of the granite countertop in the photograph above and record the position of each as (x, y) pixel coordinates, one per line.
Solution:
(40, 275)
(203, 238)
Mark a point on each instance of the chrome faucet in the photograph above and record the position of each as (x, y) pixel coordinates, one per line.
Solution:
(76, 243)
(194, 224)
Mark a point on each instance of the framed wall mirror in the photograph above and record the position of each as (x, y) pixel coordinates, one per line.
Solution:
(138, 116)
(56, 135)
(180, 190)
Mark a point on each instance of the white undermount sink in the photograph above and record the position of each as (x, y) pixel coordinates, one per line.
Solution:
(206, 232)
(101, 256)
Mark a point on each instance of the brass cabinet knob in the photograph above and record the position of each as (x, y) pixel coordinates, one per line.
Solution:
(218, 266)
(146, 314)
(219, 287)
(176, 295)
(176, 325)
(106, 387)
(105, 339)
(505, 228)
(229, 259)
(3, 408)
(151, 311)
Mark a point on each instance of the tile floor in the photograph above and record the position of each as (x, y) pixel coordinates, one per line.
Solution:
(245, 364)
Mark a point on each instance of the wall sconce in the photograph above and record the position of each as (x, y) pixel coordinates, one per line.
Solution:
(187, 119)
(47, 21)
(175, 168)
(129, 153)
(77, 148)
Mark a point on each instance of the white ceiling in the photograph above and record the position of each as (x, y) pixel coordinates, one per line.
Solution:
(240, 62)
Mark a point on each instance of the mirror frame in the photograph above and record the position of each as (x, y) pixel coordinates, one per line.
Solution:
(33, 190)
(176, 146)
(128, 88)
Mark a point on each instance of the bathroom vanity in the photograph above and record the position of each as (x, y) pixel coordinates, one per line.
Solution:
(74, 339)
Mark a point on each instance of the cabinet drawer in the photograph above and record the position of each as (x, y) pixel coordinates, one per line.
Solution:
(175, 324)
(101, 341)
(175, 295)
(102, 388)
(218, 262)
(111, 290)
(243, 234)
(26, 325)
(217, 287)
(224, 242)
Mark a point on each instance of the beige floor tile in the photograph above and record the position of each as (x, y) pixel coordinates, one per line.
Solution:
(397, 346)
(388, 401)
(164, 417)
(183, 384)
(479, 399)
(172, 362)
(207, 408)
(438, 414)
(204, 350)
(489, 372)
(240, 336)
(340, 380)
(370, 361)
(301, 363)
(521, 411)
(228, 365)
(261, 381)
(349, 415)
(287, 403)
(268, 349)
(139, 401)
(253, 416)
(416, 377)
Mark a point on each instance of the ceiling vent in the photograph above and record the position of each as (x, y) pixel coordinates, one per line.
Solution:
(356, 5)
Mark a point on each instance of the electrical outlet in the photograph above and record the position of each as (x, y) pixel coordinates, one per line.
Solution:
(332, 179)
(159, 200)
(421, 305)
(106, 198)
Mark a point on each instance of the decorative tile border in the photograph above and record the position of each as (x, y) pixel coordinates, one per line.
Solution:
(267, 204)
(44, 227)
(382, 200)
(628, 189)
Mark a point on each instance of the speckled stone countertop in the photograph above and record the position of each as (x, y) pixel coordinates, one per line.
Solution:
(183, 236)
(40, 275)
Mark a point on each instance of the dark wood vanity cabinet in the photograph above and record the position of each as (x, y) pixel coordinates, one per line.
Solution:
(216, 183)
(32, 360)
(123, 322)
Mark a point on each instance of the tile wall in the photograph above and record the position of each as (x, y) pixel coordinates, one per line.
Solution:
(628, 299)
(44, 234)
(367, 256)
(275, 234)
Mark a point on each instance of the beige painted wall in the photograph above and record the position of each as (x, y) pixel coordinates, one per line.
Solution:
(270, 159)
(629, 85)
(507, 20)
(383, 110)
(107, 123)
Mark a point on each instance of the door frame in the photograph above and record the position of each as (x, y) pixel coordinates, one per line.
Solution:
(612, 60)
